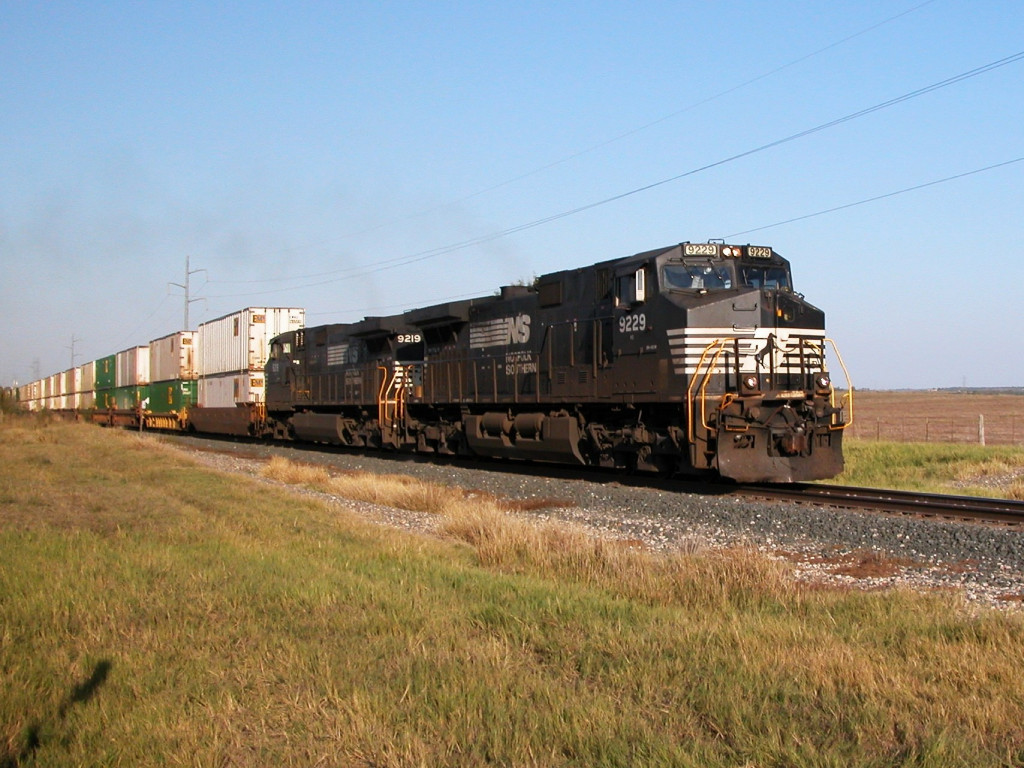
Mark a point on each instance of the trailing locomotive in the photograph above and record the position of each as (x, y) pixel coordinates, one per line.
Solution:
(697, 357)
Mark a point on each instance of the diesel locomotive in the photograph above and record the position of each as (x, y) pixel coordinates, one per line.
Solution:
(693, 358)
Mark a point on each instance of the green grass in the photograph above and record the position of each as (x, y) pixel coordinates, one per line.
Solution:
(156, 613)
(995, 471)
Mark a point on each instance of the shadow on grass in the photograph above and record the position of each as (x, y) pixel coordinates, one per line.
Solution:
(80, 694)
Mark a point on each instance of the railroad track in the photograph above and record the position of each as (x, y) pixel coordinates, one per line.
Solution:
(910, 503)
(1003, 511)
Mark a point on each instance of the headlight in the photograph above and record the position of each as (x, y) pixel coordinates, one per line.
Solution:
(750, 384)
(822, 382)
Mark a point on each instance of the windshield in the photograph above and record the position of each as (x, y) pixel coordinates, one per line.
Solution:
(697, 276)
(766, 277)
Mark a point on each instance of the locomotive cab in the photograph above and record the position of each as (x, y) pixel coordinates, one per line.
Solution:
(753, 356)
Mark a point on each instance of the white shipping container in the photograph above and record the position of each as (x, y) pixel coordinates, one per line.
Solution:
(132, 367)
(89, 376)
(87, 400)
(32, 393)
(173, 357)
(230, 389)
(71, 381)
(241, 341)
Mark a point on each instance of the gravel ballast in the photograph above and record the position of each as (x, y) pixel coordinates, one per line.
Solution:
(829, 545)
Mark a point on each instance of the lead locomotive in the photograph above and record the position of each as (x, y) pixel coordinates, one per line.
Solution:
(698, 357)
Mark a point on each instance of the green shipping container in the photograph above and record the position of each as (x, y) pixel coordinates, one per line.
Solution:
(173, 395)
(105, 398)
(127, 398)
(106, 370)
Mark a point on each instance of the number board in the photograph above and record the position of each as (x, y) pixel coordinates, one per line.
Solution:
(700, 249)
(409, 348)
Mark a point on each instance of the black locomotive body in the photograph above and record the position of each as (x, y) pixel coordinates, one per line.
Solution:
(697, 357)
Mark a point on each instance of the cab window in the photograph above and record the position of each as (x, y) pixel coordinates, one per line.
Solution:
(631, 289)
(696, 277)
(766, 277)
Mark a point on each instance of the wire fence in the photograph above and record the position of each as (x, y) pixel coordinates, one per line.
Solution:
(979, 430)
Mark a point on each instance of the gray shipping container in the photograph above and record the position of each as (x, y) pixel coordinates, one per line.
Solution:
(230, 389)
(241, 341)
(132, 367)
(173, 357)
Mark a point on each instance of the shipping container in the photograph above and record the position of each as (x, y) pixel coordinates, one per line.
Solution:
(71, 381)
(173, 357)
(106, 372)
(31, 393)
(86, 401)
(240, 341)
(172, 396)
(89, 377)
(132, 367)
(230, 389)
(131, 397)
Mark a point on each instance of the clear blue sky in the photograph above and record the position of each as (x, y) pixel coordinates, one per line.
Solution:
(290, 148)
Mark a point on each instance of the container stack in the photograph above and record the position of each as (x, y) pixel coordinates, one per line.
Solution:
(233, 352)
(221, 365)
(106, 370)
(173, 372)
(131, 380)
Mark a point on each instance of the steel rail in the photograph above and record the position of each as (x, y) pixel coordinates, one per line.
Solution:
(1005, 511)
(970, 508)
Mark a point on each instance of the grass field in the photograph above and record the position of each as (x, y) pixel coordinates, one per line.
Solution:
(156, 613)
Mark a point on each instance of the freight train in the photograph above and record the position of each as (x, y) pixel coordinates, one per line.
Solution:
(693, 358)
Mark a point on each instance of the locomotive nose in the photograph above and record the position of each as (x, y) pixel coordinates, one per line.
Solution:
(785, 310)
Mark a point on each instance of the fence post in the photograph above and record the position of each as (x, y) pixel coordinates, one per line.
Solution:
(981, 428)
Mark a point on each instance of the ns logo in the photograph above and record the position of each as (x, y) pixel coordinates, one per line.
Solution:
(517, 329)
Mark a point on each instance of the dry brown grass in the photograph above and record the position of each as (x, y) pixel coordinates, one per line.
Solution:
(507, 541)
(228, 623)
(926, 416)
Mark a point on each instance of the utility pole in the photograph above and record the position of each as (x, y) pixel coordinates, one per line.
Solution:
(185, 287)
(72, 348)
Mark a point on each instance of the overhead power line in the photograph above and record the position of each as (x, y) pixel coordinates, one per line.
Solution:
(601, 144)
(878, 197)
(483, 292)
(349, 273)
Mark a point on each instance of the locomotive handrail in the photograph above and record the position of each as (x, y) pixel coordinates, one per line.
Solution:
(382, 403)
(706, 367)
(393, 393)
(848, 397)
(705, 378)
